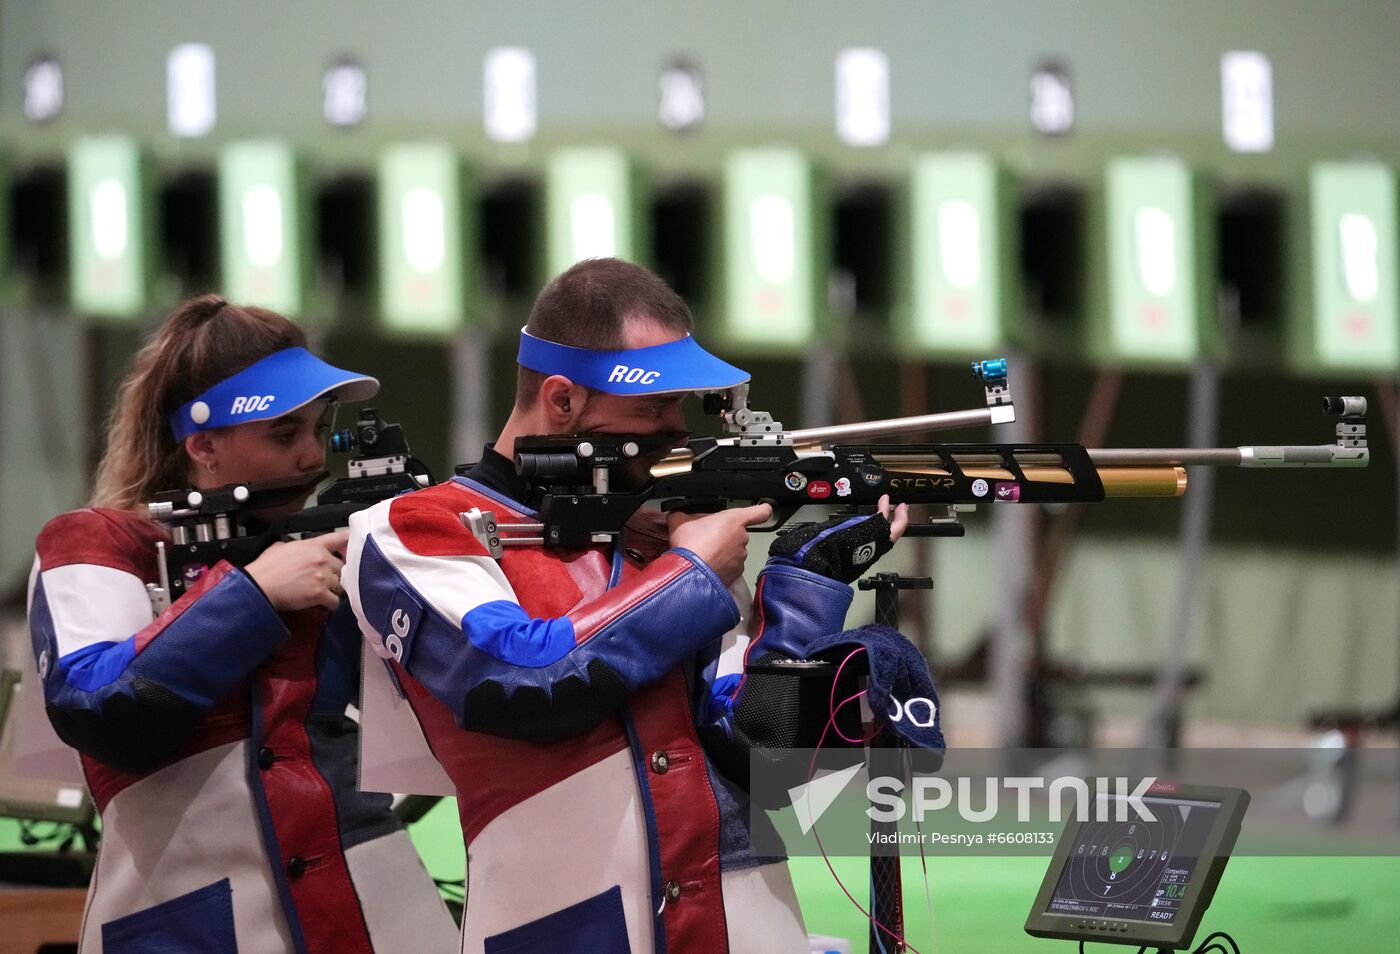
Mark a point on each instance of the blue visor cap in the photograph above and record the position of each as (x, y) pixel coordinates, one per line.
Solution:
(674, 367)
(276, 385)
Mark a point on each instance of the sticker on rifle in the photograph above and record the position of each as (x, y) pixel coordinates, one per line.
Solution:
(819, 490)
(193, 572)
(843, 487)
(979, 487)
(871, 474)
(1009, 492)
(795, 481)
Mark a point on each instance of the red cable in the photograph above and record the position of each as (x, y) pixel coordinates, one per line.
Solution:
(811, 773)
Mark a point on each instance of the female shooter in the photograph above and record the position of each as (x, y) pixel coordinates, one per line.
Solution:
(214, 737)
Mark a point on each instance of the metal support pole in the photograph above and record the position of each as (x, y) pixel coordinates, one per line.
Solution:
(887, 759)
(818, 385)
(1093, 432)
(94, 354)
(915, 608)
(1389, 395)
(1164, 726)
(1013, 530)
(1389, 401)
(821, 372)
(471, 396)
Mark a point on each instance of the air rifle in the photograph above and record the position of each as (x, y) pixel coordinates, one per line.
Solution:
(222, 523)
(846, 467)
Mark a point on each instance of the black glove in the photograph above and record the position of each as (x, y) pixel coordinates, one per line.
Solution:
(840, 549)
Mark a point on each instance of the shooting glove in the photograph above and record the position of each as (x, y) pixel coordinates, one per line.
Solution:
(840, 549)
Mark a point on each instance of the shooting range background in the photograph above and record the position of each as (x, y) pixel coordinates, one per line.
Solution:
(1299, 601)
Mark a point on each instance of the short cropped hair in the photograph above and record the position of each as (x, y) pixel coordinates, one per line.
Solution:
(589, 306)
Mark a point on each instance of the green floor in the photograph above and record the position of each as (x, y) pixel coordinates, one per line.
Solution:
(1270, 905)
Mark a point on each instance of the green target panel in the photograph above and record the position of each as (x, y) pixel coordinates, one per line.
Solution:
(425, 264)
(110, 227)
(776, 253)
(1355, 315)
(596, 207)
(265, 228)
(1161, 264)
(963, 253)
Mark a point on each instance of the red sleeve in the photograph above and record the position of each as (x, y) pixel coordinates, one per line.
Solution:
(427, 523)
(111, 538)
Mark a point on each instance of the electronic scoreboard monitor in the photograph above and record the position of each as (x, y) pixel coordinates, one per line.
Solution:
(1134, 881)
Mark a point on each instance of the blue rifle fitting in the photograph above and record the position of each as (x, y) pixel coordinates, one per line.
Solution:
(990, 370)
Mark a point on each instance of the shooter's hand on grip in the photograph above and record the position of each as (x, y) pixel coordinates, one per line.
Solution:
(842, 548)
(301, 573)
(721, 539)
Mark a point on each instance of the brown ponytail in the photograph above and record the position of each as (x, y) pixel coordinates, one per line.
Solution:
(204, 341)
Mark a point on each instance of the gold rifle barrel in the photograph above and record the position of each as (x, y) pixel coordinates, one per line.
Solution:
(1118, 482)
(1143, 481)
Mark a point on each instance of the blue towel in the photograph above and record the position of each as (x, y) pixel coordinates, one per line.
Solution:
(900, 689)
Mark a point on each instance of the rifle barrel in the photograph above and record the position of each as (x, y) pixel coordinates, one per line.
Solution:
(1117, 481)
(919, 424)
(1305, 455)
(1166, 456)
(869, 430)
(1142, 481)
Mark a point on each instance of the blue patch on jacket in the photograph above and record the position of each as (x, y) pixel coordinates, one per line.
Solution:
(98, 664)
(506, 632)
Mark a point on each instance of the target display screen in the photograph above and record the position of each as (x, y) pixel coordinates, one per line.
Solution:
(1134, 869)
(1120, 877)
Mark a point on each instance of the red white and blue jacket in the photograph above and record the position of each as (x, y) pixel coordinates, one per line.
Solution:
(571, 695)
(216, 745)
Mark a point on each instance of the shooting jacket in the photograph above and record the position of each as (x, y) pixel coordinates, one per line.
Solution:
(215, 743)
(572, 697)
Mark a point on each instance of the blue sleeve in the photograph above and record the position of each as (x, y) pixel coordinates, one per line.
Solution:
(504, 672)
(132, 702)
(792, 608)
(744, 714)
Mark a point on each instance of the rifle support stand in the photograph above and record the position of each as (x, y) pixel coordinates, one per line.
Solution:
(887, 759)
